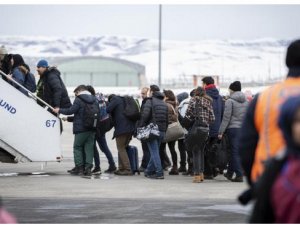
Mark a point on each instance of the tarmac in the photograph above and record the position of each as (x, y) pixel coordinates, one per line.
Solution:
(45, 193)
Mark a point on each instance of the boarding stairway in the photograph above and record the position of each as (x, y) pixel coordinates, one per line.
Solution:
(28, 132)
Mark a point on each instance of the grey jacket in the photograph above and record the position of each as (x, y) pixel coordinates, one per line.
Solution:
(235, 110)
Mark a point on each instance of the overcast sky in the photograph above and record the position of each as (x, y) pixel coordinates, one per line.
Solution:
(180, 22)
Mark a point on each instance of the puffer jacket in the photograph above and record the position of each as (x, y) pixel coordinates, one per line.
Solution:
(172, 111)
(55, 92)
(235, 110)
(160, 112)
(78, 110)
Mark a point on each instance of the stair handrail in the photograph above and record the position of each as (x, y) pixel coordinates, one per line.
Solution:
(30, 94)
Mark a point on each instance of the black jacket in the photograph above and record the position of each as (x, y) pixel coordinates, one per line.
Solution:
(55, 92)
(78, 110)
(160, 112)
(121, 123)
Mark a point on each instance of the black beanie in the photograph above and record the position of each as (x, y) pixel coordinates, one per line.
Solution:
(293, 55)
(235, 86)
(154, 88)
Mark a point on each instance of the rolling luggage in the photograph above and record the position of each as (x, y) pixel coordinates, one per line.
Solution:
(133, 156)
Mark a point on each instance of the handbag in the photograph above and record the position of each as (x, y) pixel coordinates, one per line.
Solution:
(174, 131)
(148, 132)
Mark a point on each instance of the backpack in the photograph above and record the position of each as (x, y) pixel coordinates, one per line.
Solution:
(30, 82)
(105, 122)
(132, 109)
(91, 114)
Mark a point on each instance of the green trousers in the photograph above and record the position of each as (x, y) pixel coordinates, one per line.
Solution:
(84, 149)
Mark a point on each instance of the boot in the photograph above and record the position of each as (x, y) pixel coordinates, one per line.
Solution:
(201, 177)
(238, 179)
(182, 169)
(174, 171)
(197, 179)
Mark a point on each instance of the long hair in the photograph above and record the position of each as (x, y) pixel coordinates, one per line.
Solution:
(18, 61)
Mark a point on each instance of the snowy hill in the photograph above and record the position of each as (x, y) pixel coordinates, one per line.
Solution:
(260, 60)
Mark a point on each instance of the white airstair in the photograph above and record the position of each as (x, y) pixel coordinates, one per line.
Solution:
(28, 132)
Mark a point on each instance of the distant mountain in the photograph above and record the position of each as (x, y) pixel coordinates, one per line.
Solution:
(258, 60)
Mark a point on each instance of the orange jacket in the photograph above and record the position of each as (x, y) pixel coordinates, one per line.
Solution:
(267, 109)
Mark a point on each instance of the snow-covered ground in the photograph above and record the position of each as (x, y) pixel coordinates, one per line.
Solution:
(258, 60)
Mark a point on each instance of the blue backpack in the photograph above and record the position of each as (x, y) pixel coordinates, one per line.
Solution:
(105, 122)
(30, 82)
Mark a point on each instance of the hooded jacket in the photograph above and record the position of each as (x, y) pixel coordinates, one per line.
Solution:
(218, 107)
(235, 110)
(78, 110)
(122, 124)
(55, 92)
(160, 112)
(172, 111)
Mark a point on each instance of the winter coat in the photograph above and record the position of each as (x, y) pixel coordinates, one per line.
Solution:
(55, 92)
(235, 110)
(172, 111)
(160, 112)
(122, 124)
(218, 107)
(203, 112)
(19, 77)
(78, 110)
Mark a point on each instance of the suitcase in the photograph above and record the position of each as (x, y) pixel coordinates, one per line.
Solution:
(133, 156)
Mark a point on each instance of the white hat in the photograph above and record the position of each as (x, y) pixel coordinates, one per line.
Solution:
(3, 50)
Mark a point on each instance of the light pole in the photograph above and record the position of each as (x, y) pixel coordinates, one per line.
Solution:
(159, 47)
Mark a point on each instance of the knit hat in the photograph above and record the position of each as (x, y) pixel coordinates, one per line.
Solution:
(235, 86)
(42, 63)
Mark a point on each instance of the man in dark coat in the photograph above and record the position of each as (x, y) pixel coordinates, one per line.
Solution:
(218, 107)
(124, 129)
(84, 136)
(54, 90)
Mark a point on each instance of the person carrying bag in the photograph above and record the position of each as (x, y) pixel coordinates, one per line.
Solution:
(200, 113)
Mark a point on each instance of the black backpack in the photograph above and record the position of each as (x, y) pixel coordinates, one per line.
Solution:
(30, 82)
(91, 114)
(132, 109)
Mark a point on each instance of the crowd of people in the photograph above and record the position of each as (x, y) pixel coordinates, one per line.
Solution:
(260, 135)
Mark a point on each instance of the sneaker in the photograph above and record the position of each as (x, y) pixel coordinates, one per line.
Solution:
(182, 169)
(123, 173)
(71, 170)
(238, 179)
(87, 172)
(228, 176)
(158, 177)
(78, 170)
(96, 171)
(110, 169)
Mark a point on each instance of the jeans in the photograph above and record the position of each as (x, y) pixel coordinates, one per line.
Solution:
(234, 161)
(146, 155)
(154, 165)
(171, 146)
(84, 149)
(198, 159)
(101, 140)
